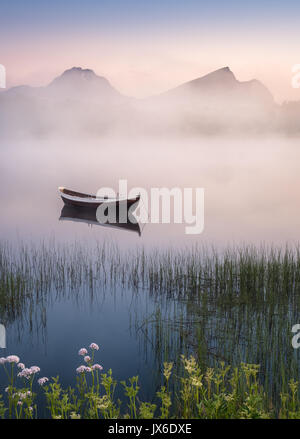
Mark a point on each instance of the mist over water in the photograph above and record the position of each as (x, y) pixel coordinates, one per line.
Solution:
(251, 187)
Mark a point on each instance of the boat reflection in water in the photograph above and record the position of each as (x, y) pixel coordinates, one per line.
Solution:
(88, 216)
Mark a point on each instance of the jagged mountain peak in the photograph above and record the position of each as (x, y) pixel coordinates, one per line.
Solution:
(78, 75)
(77, 80)
(222, 76)
(79, 72)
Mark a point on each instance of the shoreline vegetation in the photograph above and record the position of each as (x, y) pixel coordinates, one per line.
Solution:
(235, 307)
(214, 393)
(246, 274)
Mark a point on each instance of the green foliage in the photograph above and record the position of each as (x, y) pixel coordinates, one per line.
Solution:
(215, 393)
(147, 410)
(131, 392)
(61, 403)
(2, 408)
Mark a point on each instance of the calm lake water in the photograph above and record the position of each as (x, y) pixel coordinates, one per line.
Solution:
(251, 197)
(251, 187)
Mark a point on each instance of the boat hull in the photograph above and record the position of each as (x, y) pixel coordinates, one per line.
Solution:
(96, 204)
(78, 199)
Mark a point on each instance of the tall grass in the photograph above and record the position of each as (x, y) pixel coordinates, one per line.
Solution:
(246, 275)
(236, 306)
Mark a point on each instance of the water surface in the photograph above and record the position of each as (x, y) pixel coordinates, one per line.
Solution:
(251, 197)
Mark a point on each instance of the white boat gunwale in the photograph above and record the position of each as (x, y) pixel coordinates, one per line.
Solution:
(89, 199)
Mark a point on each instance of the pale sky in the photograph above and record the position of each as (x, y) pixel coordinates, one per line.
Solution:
(145, 48)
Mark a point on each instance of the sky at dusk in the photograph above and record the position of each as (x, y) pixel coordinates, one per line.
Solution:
(145, 48)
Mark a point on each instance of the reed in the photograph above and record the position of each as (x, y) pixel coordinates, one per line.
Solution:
(238, 305)
(239, 275)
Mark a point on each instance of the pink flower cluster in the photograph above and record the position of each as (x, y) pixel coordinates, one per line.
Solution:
(9, 359)
(21, 395)
(28, 372)
(24, 371)
(82, 351)
(82, 369)
(91, 367)
(97, 367)
(43, 381)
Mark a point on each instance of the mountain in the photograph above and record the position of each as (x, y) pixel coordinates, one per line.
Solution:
(220, 83)
(76, 101)
(81, 102)
(218, 102)
(74, 83)
(83, 84)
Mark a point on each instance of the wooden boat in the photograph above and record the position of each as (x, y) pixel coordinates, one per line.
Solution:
(78, 199)
(88, 216)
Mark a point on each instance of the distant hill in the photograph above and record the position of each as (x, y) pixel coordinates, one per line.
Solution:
(218, 102)
(82, 84)
(222, 83)
(75, 102)
(74, 83)
(81, 102)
